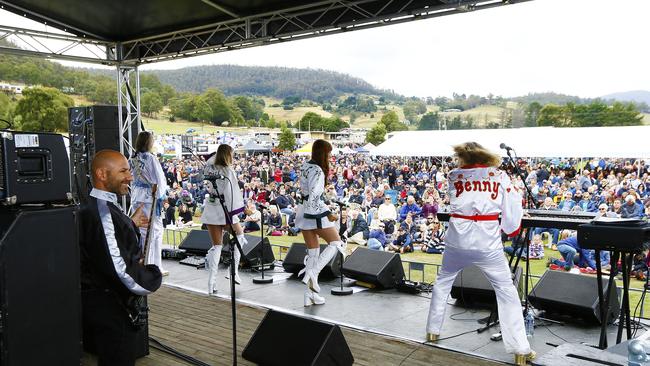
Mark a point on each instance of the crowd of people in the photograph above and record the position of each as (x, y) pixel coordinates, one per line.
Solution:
(391, 203)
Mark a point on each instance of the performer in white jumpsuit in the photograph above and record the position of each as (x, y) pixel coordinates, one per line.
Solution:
(146, 172)
(478, 193)
(314, 219)
(213, 215)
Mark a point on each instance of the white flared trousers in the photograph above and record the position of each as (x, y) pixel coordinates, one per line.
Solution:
(495, 267)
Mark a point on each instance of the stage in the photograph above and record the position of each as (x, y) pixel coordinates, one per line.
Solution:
(390, 315)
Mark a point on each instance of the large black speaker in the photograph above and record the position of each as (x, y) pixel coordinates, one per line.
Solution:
(472, 288)
(33, 168)
(40, 301)
(308, 342)
(575, 295)
(294, 262)
(375, 267)
(196, 242)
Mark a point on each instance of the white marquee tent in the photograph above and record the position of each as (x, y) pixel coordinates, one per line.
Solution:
(613, 142)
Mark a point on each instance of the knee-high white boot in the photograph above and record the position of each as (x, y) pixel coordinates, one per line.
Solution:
(311, 269)
(242, 241)
(214, 254)
(329, 252)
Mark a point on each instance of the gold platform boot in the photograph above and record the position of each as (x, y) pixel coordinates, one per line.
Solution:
(522, 360)
(432, 337)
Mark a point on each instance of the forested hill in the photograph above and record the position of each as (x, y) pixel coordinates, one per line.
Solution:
(279, 82)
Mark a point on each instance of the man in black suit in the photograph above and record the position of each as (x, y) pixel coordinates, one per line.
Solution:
(113, 276)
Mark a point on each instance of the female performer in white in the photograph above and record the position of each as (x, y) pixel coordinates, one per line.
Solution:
(146, 172)
(315, 220)
(478, 193)
(214, 217)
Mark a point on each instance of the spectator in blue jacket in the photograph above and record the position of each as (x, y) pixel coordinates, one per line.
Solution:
(569, 248)
(403, 241)
(377, 237)
(409, 206)
(567, 202)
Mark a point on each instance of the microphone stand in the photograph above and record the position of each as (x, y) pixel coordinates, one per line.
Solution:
(532, 204)
(341, 291)
(262, 280)
(237, 246)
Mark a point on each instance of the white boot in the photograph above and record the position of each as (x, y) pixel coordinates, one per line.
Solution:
(329, 253)
(242, 240)
(310, 270)
(214, 254)
(312, 298)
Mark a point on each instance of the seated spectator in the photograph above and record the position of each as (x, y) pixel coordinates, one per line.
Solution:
(536, 247)
(184, 216)
(568, 248)
(403, 241)
(421, 234)
(631, 208)
(430, 207)
(285, 203)
(377, 237)
(409, 207)
(357, 228)
(436, 237)
(387, 214)
(253, 217)
(567, 202)
(169, 212)
(555, 233)
(274, 222)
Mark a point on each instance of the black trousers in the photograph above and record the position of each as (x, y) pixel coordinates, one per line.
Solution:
(107, 331)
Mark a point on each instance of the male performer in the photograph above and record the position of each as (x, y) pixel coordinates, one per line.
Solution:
(112, 271)
(478, 193)
(146, 172)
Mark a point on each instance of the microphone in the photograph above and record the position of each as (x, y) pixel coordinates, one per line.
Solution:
(214, 177)
(506, 147)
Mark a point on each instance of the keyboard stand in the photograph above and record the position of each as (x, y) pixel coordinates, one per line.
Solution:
(604, 301)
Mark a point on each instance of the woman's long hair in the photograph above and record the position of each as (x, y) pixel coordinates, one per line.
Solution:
(319, 154)
(143, 142)
(473, 153)
(224, 155)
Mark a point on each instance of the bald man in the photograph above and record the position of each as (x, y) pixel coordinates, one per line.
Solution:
(113, 278)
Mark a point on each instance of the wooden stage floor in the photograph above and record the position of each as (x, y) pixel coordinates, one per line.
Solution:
(200, 326)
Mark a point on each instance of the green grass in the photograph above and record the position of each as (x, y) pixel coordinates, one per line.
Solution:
(646, 118)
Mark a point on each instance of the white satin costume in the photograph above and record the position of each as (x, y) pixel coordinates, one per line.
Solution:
(213, 214)
(478, 195)
(147, 171)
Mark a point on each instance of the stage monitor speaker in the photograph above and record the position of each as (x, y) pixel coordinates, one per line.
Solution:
(294, 261)
(251, 251)
(373, 266)
(471, 288)
(196, 242)
(310, 342)
(574, 295)
(107, 127)
(40, 299)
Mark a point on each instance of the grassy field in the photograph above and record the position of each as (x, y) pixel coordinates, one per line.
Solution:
(646, 118)
(281, 245)
(481, 115)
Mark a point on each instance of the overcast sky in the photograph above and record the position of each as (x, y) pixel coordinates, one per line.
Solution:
(580, 47)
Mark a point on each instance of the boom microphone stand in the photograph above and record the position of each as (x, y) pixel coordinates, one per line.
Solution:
(262, 280)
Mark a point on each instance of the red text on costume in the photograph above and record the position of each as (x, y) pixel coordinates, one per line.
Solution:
(477, 186)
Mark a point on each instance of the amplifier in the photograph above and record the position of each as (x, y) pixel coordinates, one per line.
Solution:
(33, 168)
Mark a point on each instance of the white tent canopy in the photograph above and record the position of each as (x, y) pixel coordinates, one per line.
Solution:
(614, 142)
